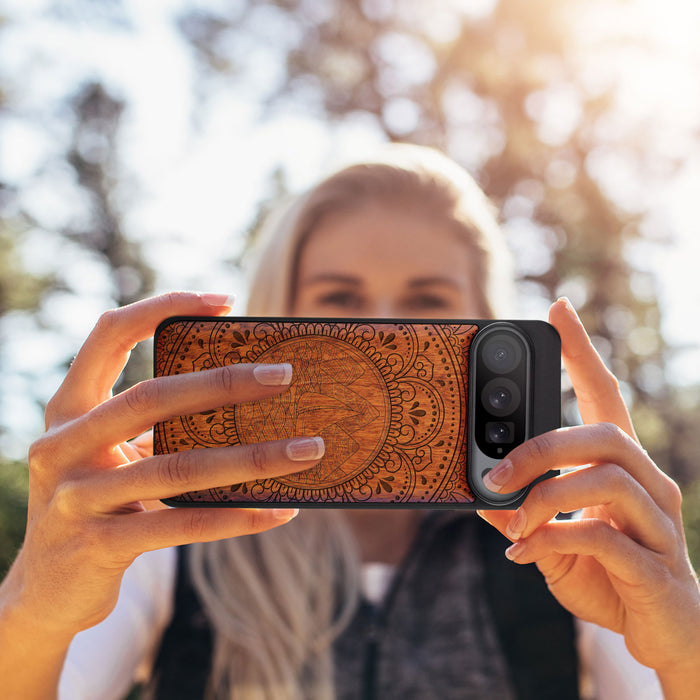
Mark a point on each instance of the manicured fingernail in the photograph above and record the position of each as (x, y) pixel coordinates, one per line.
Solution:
(305, 449)
(515, 550)
(569, 306)
(517, 525)
(218, 300)
(498, 476)
(273, 375)
(285, 514)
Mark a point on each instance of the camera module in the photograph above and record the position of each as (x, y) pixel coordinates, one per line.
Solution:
(500, 398)
(505, 359)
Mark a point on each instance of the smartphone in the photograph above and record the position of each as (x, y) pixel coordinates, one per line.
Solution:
(413, 413)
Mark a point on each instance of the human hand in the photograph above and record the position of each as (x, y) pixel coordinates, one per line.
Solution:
(624, 563)
(87, 518)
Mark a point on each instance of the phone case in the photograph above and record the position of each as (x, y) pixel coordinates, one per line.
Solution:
(390, 399)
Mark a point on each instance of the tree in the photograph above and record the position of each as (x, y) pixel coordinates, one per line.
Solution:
(504, 91)
(93, 155)
(97, 232)
(513, 90)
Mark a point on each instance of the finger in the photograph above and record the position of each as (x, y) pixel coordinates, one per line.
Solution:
(605, 486)
(138, 448)
(165, 476)
(102, 357)
(596, 388)
(141, 406)
(614, 550)
(583, 444)
(497, 518)
(131, 452)
(143, 444)
(142, 532)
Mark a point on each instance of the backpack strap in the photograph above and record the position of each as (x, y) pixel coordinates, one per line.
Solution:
(536, 633)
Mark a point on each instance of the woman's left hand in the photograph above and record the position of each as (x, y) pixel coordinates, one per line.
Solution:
(623, 564)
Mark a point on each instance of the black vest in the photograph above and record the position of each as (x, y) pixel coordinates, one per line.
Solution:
(534, 634)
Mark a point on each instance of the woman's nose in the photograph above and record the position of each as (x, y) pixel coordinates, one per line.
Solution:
(384, 308)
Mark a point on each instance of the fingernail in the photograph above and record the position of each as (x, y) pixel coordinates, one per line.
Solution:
(304, 449)
(499, 476)
(569, 306)
(285, 514)
(273, 375)
(515, 550)
(517, 525)
(218, 300)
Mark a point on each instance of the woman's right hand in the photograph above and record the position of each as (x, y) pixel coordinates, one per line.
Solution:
(87, 514)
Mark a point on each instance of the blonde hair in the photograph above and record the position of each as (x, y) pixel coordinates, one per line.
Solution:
(404, 175)
(277, 600)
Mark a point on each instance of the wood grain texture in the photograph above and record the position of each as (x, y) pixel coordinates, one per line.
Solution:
(388, 399)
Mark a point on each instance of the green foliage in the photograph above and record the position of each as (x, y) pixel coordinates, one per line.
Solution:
(18, 289)
(14, 484)
(691, 521)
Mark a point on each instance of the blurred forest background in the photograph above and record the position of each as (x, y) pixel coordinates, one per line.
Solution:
(580, 119)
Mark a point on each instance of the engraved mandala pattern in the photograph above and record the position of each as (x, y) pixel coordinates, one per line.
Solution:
(389, 401)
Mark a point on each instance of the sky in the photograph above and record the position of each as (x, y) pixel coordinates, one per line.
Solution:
(191, 190)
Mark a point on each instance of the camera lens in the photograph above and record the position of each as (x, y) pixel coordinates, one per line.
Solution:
(500, 396)
(499, 432)
(502, 353)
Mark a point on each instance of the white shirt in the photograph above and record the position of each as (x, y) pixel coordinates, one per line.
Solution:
(104, 661)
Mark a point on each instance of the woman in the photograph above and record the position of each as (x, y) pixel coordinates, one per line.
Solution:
(409, 236)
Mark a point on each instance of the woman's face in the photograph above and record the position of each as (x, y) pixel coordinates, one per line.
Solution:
(385, 261)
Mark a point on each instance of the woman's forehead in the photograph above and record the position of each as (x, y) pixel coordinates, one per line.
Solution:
(388, 234)
(384, 228)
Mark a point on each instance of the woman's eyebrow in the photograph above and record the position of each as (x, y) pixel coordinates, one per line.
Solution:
(333, 277)
(434, 281)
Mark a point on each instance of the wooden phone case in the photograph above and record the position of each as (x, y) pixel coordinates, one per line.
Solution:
(388, 397)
